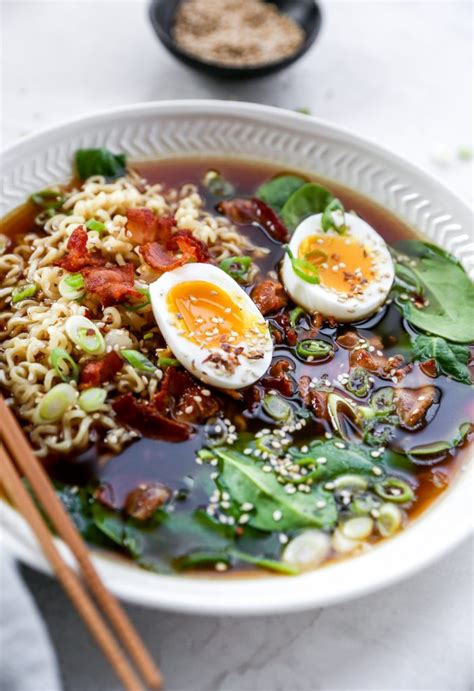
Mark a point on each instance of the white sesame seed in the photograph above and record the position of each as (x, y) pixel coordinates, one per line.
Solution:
(277, 515)
(376, 470)
(221, 566)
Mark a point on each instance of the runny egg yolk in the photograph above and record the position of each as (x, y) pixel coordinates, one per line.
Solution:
(344, 264)
(206, 314)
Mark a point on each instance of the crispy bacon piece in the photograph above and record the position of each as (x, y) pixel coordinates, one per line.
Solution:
(429, 368)
(252, 397)
(97, 372)
(194, 406)
(111, 285)
(386, 368)
(348, 340)
(312, 398)
(412, 405)
(290, 334)
(78, 256)
(148, 420)
(269, 296)
(142, 502)
(179, 397)
(254, 211)
(144, 226)
(278, 379)
(161, 259)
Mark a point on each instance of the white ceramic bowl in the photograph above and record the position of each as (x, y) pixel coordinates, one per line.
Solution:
(292, 140)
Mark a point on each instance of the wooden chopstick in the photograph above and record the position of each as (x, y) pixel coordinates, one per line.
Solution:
(15, 489)
(20, 451)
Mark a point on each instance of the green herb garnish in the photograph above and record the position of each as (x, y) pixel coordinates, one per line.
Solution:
(451, 359)
(24, 292)
(91, 162)
(303, 269)
(237, 267)
(138, 360)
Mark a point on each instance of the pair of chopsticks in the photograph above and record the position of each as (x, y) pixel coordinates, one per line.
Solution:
(17, 460)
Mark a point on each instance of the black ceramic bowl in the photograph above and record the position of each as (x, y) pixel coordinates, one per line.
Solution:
(305, 12)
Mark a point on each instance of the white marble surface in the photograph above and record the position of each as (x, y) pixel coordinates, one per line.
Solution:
(398, 72)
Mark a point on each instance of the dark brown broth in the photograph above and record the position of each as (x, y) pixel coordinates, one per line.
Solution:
(174, 464)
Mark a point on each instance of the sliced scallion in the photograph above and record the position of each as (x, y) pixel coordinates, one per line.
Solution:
(236, 267)
(24, 292)
(358, 382)
(64, 365)
(315, 349)
(336, 405)
(92, 399)
(389, 520)
(277, 408)
(98, 226)
(308, 549)
(168, 362)
(56, 402)
(139, 305)
(138, 360)
(48, 199)
(295, 315)
(394, 489)
(382, 402)
(358, 528)
(303, 269)
(71, 286)
(85, 334)
(333, 217)
(350, 481)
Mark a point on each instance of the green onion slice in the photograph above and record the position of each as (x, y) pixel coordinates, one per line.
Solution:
(64, 365)
(85, 334)
(98, 226)
(389, 520)
(394, 489)
(48, 199)
(236, 267)
(276, 407)
(24, 292)
(303, 269)
(92, 399)
(333, 217)
(138, 360)
(313, 349)
(168, 362)
(71, 286)
(295, 315)
(358, 383)
(139, 305)
(56, 402)
(381, 402)
(218, 185)
(316, 256)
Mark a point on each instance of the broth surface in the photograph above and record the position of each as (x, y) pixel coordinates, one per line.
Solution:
(173, 464)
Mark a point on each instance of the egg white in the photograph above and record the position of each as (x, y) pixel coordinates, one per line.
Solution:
(191, 355)
(318, 298)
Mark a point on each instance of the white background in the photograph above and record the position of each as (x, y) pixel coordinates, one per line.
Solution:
(398, 72)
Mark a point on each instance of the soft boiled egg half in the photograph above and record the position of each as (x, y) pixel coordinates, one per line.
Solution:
(355, 269)
(211, 325)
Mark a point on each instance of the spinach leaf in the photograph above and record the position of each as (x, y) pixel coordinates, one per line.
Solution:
(125, 532)
(275, 509)
(100, 162)
(79, 503)
(450, 309)
(308, 199)
(263, 563)
(353, 459)
(451, 358)
(277, 191)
